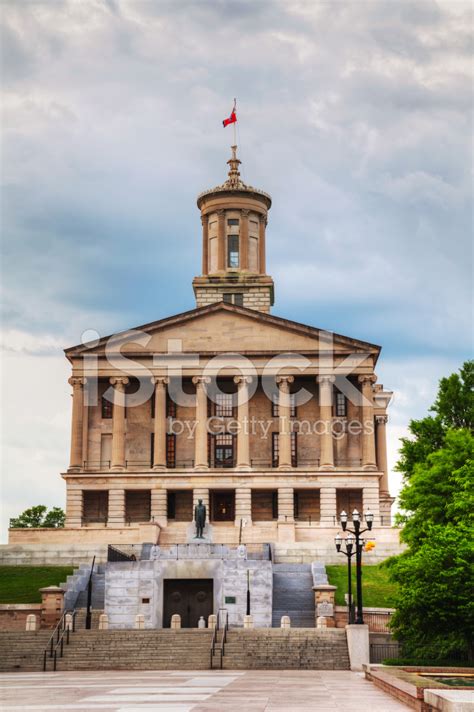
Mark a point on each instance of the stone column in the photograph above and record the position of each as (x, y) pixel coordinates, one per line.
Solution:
(326, 459)
(205, 244)
(328, 506)
(159, 506)
(243, 434)
(159, 454)
(261, 244)
(368, 435)
(243, 505)
(244, 239)
(118, 423)
(221, 256)
(382, 464)
(116, 517)
(286, 505)
(201, 461)
(85, 426)
(77, 384)
(284, 412)
(74, 507)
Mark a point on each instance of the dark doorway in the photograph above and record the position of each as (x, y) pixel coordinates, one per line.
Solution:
(190, 598)
(223, 506)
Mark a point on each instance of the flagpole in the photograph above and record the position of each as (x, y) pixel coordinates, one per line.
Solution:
(233, 125)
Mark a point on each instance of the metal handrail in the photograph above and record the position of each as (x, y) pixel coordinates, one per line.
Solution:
(214, 641)
(224, 637)
(59, 632)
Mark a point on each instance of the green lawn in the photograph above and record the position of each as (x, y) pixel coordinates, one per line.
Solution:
(377, 590)
(20, 584)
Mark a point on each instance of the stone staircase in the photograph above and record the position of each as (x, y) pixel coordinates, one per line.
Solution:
(22, 651)
(160, 649)
(98, 592)
(293, 595)
(286, 649)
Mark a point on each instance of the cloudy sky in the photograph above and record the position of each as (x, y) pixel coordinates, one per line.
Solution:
(354, 116)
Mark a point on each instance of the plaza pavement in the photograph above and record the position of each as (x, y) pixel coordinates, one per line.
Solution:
(202, 691)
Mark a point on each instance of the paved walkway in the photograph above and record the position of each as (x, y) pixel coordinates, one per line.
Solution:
(213, 691)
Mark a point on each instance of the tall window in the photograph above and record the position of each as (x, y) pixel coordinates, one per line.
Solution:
(341, 404)
(232, 221)
(224, 407)
(276, 410)
(170, 450)
(232, 250)
(107, 408)
(170, 407)
(224, 450)
(276, 450)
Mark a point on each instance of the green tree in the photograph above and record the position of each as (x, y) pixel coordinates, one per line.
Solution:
(435, 615)
(38, 517)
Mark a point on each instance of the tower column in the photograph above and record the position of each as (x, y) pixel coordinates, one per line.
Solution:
(244, 240)
(284, 412)
(243, 505)
(368, 435)
(243, 435)
(381, 439)
(200, 436)
(221, 240)
(118, 423)
(325, 416)
(205, 243)
(159, 506)
(159, 454)
(261, 244)
(77, 384)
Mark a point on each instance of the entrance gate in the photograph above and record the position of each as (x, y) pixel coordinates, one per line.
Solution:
(190, 598)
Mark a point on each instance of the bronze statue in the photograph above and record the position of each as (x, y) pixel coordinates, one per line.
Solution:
(200, 518)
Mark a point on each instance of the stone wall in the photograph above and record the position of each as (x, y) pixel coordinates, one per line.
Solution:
(133, 588)
(13, 615)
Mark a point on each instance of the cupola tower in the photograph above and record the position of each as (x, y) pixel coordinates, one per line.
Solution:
(234, 219)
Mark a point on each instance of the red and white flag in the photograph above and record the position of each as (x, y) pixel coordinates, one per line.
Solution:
(232, 118)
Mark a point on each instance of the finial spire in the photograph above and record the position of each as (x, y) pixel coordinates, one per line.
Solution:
(233, 180)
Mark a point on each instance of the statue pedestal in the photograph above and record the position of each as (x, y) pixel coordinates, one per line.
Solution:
(191, 535)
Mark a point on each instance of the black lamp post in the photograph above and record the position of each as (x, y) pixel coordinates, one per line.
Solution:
(349, 552)
(359, 543)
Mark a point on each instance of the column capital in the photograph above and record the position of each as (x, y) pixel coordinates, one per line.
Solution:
(381, 419)
(201, 380)
(285, 380)
(245, 212)
(77, 382)
(119, 381)
(220, 212)
(243, 380)
(328, 380)
(367, 378)
(160, 380)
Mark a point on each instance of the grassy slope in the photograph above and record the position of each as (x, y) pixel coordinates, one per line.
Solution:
(377, 590)
(20, 584)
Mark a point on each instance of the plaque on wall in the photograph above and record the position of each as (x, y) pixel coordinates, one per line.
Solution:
(325, 609)
(230, 599)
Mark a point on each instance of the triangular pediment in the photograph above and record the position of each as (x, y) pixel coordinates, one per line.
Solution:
(223, 327)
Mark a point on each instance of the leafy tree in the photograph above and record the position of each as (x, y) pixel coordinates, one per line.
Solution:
(38, 517)
(435, 615)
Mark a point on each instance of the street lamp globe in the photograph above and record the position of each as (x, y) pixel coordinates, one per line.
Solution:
(355, 516)
(338, 542)
(343, 518)
(369, 518)
(349, 542)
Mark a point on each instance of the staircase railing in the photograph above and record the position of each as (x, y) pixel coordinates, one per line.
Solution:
(56, 642)
(221, 648)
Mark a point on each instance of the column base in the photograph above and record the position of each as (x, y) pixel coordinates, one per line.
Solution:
(285, 468)
(369, 466)
(329, 466)
(74, 468)
(159, 468)
(117, 468)
(201, 468)
(243, 468)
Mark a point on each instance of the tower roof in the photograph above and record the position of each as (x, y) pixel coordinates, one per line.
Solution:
(234, 184)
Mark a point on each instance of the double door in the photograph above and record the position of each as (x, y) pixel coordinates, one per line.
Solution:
(190, 598)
